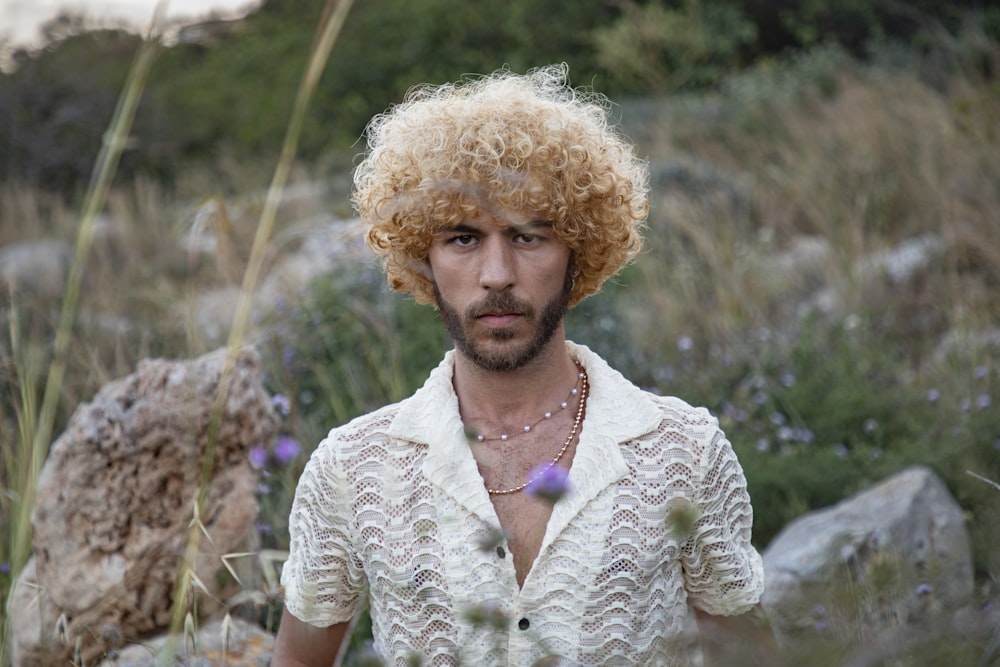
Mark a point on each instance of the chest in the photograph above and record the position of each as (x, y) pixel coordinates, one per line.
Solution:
(523, 517)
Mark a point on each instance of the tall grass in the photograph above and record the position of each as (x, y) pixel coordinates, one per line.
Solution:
(762, 294)
(36, 431)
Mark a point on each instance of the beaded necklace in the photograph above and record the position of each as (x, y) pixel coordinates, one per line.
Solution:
(548, 415)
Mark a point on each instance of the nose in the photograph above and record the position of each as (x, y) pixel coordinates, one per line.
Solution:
(496, 271)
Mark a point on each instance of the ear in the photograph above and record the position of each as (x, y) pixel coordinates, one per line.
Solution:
(572, 269)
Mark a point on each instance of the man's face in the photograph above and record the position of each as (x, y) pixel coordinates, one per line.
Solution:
(502, 288)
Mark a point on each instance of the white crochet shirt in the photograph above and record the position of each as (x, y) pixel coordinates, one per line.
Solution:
(393, 503)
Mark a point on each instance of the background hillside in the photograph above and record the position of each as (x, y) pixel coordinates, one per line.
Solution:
(56, 105)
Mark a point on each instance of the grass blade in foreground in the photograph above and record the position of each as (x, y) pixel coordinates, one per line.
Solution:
(334, 14)
(94, 201)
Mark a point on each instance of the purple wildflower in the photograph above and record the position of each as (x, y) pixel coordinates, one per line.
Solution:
(548, 482)
(685, 343)
(924, 589)
(281, 404)
(286, 449)
(258, 457)
(983, 401)
(5, 567)
(933, 395)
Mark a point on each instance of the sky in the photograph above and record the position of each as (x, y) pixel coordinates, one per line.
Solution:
(21, 19)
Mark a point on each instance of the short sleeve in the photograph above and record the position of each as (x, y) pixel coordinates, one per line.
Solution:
(322, 578)
(724, 574)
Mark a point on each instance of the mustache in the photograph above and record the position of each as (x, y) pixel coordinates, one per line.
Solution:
(499, 302)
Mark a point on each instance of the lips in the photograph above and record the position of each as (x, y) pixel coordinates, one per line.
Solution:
(498, 320)
(499, 311)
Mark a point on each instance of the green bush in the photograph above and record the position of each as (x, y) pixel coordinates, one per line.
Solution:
(353, 346)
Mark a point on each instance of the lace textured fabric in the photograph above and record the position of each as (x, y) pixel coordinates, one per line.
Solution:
(393, 503)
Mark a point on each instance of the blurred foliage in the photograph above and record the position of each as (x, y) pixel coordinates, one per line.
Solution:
(653, 48)
(821, 144)
(352, 311)
(55, 108)
(225, 90)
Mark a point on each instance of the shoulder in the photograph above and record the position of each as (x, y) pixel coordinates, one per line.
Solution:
(680, 436)
(679, 432)
(372, 424)
(349, 444)
(678, 414)
(627, 412)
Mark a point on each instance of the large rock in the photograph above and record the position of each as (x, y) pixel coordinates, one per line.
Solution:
(116, 502)
(889, 558)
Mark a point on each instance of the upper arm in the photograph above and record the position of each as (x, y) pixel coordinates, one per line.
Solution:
(300, 644)
(322, 577)
(723, 571)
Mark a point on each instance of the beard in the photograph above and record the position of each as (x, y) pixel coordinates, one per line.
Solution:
(460, 326)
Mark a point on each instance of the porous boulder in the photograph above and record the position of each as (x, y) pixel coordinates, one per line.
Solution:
(888, 559)
(117, 501)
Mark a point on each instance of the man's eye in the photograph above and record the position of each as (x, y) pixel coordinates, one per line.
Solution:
(463, 240)
(527, 238)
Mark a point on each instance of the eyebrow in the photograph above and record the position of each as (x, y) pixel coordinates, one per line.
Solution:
(459, 229)
(534, 224)
(515, 228)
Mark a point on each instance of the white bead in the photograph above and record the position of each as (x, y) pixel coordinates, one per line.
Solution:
(574, 391)
(527, 428)
(479, 438)
(503, 436)
(563, 404)
(548, 415)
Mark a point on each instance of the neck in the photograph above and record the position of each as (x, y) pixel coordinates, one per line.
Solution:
(518, 394)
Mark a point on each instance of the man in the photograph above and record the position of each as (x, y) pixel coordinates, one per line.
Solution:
(504, 201)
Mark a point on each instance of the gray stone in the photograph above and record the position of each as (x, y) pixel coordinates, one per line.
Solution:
(891, 557)
(221, 642)
(321, 245)
(116, 499)
(902, 262)
(36, 267)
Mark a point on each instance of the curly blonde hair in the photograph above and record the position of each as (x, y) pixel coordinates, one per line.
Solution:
(508, 142)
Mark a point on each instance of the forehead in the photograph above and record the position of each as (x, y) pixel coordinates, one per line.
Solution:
(497, 217)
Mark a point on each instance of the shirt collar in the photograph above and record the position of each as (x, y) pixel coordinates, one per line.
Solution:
(617, 411)
(616, 408)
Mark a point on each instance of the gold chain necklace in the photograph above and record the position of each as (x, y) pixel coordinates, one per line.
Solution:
(584, 390)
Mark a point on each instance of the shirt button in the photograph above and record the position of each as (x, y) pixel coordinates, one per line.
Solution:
(523, 624)
(500, 552)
